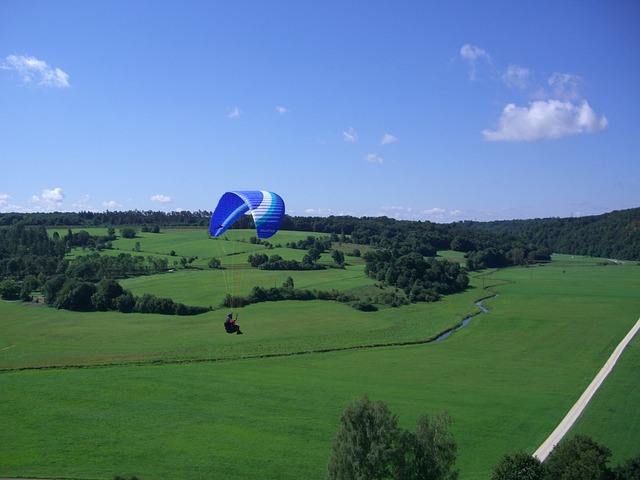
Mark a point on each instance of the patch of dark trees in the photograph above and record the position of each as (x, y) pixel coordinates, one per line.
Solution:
(315, 247)
(71, 293)
(422, 279)
(288, 292)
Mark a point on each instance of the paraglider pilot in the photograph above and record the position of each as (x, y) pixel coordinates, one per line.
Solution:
(230, 325)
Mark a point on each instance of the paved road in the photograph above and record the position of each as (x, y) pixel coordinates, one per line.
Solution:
(582, 402)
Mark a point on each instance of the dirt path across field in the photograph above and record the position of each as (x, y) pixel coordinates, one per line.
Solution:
(568, 421)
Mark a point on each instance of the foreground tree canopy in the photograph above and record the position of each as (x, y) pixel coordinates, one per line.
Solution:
(574, 458)
(370, 445)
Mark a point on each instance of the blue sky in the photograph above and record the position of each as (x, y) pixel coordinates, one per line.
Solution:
(439, 111)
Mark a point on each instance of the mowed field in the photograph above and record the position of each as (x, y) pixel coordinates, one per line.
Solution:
(96, 395)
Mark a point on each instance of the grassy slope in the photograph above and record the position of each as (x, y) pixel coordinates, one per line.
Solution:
(507, 379)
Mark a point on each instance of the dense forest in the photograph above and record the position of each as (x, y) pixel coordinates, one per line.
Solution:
(612, 235)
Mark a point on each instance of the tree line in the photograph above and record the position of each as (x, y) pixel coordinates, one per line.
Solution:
(611, 235)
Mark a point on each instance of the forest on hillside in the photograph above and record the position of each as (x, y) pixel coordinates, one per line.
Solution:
(611, 235)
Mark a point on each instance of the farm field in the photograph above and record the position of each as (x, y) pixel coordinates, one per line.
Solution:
(96, 395)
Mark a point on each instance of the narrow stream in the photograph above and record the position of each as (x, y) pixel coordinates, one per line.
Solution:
(464, 323)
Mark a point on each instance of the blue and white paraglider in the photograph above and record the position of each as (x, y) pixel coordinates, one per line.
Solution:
(267, 210)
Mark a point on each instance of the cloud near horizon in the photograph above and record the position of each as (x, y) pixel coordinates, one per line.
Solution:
(111, 205)
(32, 70)
(49, 199)
(161, 198)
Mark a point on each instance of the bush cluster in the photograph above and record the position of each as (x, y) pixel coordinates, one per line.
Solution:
(286, 292)
(421, 279)
(108, 295)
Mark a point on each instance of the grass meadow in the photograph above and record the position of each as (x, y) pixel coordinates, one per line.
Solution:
(91, 396)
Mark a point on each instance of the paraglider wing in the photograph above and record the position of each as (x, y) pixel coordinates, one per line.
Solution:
(267, 209)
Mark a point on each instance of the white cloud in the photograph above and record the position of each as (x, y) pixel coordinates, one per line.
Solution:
(32, 70)
(321, 212)
(111, 205)
(431, 214)
(557, 109)
(565, 85)
(544, 120)
(83, 203)
(434, 211)
(473, 54)
(281, 110)
(53, 196)
(7, 206)
(234, 113)
(350, 136)
(161, 198)
(373, 158)
(387, 138)
(49, 199)
(516, 77)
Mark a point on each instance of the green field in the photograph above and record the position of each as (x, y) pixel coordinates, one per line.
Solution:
(96, 395)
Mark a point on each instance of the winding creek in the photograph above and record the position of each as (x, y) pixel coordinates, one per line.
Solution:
(465, 322)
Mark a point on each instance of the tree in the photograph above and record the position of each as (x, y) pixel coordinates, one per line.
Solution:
(106, 293)
(518, 466)
(9, 290)
(126, 302)
(365, 446)
(338, 257)
(313, 254)
(430, 452)
(79, 297)
(128, 232)
(630, 470)
(370, 445)
(257, 259)
(578, 458)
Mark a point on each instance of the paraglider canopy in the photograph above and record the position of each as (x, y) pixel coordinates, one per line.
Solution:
(267, 209)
